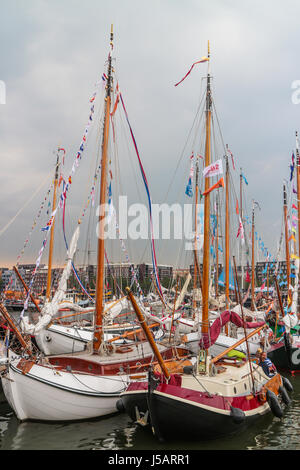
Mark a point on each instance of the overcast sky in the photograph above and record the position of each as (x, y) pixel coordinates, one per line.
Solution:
(53, 52)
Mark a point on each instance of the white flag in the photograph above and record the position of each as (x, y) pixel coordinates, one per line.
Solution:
(215, 168)
(241, 231)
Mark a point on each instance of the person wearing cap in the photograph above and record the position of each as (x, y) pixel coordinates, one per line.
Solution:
(266, 364)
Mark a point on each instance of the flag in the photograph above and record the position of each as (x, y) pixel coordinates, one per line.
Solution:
(241, 231)
(244, 179)
(237, 207)
(189, 189)
(203, 59)
(232, 160)
(213, 169)
(215, 186)
(248, 277)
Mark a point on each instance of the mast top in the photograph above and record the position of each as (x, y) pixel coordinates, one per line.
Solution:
(111, 36)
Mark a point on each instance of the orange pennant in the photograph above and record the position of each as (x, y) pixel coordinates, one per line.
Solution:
(219, 184)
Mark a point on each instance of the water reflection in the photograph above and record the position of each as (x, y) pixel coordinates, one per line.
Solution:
(118, 432)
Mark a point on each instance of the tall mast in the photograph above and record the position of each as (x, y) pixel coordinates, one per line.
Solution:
(100, 259)
(227, 232)
(206, 250)
(195, 246)
(287, 248)
(253, 262)
(241, 214)
(48, 289)
(217, 248)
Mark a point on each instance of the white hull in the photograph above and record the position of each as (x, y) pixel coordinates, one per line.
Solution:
(223, 342)
(79, 391)
(59, 339)
(44, 395)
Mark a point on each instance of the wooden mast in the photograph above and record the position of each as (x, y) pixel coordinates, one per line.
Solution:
(195, 243)
(227, 235)
(287, 248)
(206, 243)
(241, 215)
(48, 288)
(217, 249)
(103, 190)
(252, 262)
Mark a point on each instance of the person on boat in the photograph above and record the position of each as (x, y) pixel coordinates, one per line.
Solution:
(267, 365)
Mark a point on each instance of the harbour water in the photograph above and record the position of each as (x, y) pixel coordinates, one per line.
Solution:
(119, 433)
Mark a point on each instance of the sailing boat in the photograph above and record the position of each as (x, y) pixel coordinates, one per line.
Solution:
(284, 350)
(86, 384)
(218, 397)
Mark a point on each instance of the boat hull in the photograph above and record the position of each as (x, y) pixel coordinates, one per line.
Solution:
(43, 395)
(196, 422)
(285, 356)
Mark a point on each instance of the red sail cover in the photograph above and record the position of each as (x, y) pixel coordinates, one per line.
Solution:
(208, 339)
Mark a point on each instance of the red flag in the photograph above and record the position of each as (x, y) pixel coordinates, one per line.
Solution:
(215, 186)
(203, 59)
(237, 207)
(247, 277)
(294, 207)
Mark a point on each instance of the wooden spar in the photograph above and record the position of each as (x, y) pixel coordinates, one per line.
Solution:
(147, 333)
(89, 310)
(12, 325)
(280, 304)
(159, 294)
(174, 309)
(243, 318)
(100, 261)
(26, 288)
(252, 263)
(217, 250)
(238, 343)
(131, 333)
(227, 237)
(287, 248)
(50, 255)
(206, 242)
(195, 242)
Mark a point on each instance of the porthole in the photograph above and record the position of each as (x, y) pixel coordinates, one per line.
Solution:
(234, 389)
